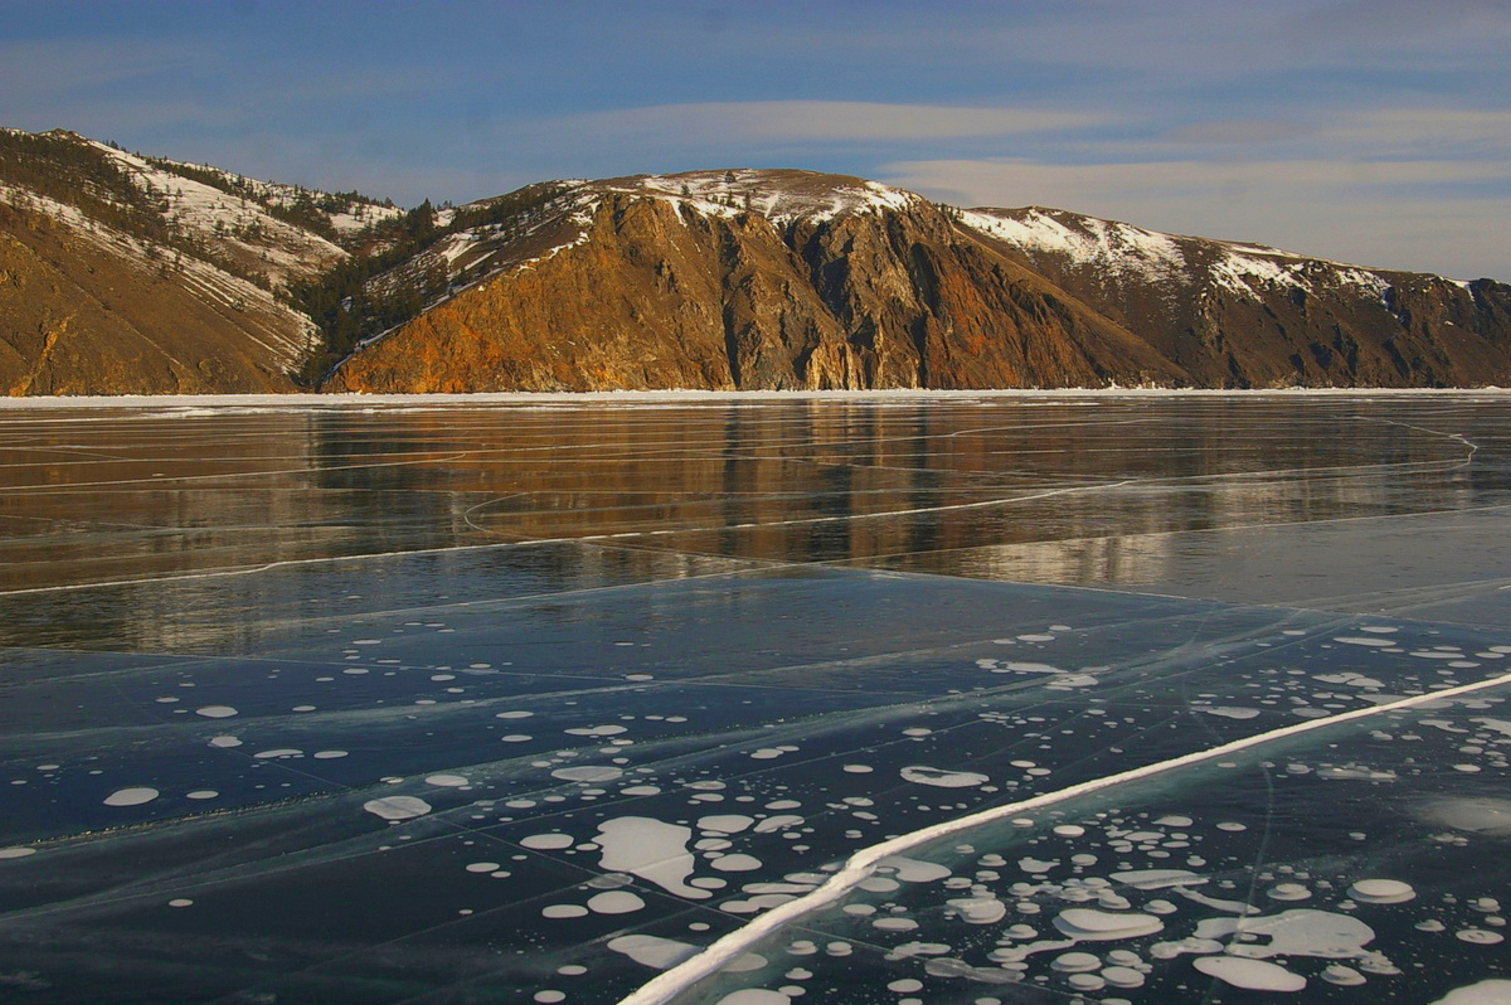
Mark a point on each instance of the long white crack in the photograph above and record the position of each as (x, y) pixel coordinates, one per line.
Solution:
(665, 987)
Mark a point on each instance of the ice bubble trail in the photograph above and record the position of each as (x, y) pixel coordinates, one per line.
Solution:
(666, 986)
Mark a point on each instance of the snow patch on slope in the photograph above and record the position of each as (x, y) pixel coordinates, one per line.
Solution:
(1246, 269)
(229, 221)
(210, 284)
(362, 215)
(783, 197)
(1120, 249)
(1125, 252)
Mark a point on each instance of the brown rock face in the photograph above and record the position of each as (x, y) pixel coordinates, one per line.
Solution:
(658, 293)
(77, 319)
(773, 280)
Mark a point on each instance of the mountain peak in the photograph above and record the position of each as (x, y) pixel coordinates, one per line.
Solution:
(782, 195)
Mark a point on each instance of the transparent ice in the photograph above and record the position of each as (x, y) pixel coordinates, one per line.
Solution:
(532, 700)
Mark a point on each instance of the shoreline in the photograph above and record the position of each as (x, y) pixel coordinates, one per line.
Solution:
(692, 397)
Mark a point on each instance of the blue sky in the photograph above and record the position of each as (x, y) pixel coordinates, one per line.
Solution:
(1372, 131)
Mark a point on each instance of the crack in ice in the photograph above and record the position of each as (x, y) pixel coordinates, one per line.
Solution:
(665, 987)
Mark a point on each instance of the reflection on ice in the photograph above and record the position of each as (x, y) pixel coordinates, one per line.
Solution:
(400, 748)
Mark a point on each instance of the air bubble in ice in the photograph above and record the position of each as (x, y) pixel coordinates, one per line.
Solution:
(615, 902)
(653, 850)
(1480, 936)
(1343, 976)
(134, 796)
(1075, 963)
(1122, 977)
(940, 778)
(588, 773)
(559, 911)
(1381, 891)
(397, 807)
(547, 842)
(1084, 923)
(1250, 975)
(755, 996)
(736, 863)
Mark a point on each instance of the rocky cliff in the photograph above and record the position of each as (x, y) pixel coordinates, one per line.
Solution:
(774, 279)
(770, 280)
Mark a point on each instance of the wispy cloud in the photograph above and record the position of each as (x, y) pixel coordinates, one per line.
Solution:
(32, 69)
(1387, 131)
(837, 121)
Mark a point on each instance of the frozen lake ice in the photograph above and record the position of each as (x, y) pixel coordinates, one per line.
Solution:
(537, 699)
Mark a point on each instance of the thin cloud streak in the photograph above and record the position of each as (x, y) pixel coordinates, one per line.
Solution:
(836, 121)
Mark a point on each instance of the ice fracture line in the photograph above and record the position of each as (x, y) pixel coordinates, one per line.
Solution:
(665, 987)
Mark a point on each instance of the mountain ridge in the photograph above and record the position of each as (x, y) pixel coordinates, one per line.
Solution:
(121, 273)
(1194, 312)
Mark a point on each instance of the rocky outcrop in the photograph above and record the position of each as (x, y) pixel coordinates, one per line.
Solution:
(662, 290)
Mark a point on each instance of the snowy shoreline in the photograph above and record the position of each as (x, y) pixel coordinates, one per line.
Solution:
(690, 397)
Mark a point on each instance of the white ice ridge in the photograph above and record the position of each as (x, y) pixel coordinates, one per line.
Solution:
(663, 988)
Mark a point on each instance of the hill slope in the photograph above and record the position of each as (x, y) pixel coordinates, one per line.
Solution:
(120, 274)
(1249, 316)
(785, 279)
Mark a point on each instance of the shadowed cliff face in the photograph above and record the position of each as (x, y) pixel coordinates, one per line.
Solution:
(657, 293)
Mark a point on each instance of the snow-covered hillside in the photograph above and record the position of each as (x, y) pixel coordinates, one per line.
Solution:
(1124, 253)
(783, 197)
(239, 228)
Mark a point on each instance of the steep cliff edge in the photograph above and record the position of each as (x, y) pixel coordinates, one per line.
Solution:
(754, 280)
(787, 279)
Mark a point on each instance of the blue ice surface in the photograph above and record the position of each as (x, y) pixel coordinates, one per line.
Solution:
(839, 624)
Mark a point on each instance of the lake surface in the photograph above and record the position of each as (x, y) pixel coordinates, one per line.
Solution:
(532, 699)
